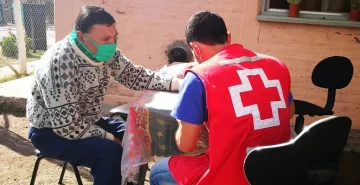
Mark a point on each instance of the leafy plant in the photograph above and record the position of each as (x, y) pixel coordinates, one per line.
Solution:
(29, 45)
(9, 46)
(294, 1)
(355, 4)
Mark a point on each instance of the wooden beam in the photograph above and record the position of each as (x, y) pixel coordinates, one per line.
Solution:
(11, 67)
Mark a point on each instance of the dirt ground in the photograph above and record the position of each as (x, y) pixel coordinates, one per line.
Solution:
(17, 159)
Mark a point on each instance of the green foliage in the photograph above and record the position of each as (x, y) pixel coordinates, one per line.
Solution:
(10, 48)
(294, 1)
(29, 45)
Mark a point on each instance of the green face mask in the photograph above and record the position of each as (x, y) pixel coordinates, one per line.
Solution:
(104, 51)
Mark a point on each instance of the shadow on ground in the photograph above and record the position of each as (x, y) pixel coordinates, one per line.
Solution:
(349, 173)
(15, 142)
(24, 147)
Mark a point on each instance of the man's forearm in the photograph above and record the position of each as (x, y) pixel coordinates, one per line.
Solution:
(137, 77)
(187, 136)
(292, 109)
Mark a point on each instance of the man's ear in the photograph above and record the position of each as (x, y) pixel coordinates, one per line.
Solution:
(229, 37)
(80, 36)
(195, 49)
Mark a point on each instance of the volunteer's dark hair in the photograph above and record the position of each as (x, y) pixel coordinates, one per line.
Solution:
(207, 28)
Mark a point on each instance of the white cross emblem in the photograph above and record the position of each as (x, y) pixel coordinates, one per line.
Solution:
(239, 108)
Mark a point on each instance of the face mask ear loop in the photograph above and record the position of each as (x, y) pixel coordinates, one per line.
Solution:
(92, 41)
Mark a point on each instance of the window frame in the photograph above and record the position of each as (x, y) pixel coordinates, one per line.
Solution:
(305, 17)
(266, 10)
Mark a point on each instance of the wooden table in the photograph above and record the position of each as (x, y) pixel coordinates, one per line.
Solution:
(150, 133)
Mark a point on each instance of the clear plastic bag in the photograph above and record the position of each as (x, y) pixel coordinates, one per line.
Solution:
(149, 134)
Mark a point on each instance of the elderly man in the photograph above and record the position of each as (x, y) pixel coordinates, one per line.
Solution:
(68, 93)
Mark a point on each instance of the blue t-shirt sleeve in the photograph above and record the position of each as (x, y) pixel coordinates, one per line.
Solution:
(191, 106)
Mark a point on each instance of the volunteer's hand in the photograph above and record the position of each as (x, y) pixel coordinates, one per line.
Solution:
(117, 140)
(189, 66)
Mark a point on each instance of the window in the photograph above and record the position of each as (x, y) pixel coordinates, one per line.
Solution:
(323, 12)
(335, 6)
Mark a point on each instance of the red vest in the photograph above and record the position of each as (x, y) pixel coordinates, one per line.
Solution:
(247, 101)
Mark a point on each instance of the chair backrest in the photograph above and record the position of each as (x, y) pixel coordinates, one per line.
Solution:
(317, 146)
(333, 73)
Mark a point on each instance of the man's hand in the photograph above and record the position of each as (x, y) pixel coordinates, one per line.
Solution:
(176, 84)
(189, 66)
(180, 76)
(117, 140)
(292, 109)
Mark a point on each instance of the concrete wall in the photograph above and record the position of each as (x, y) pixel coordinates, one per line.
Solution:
(146, 27)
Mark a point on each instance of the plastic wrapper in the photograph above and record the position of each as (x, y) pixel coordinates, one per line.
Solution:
(150, 133)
